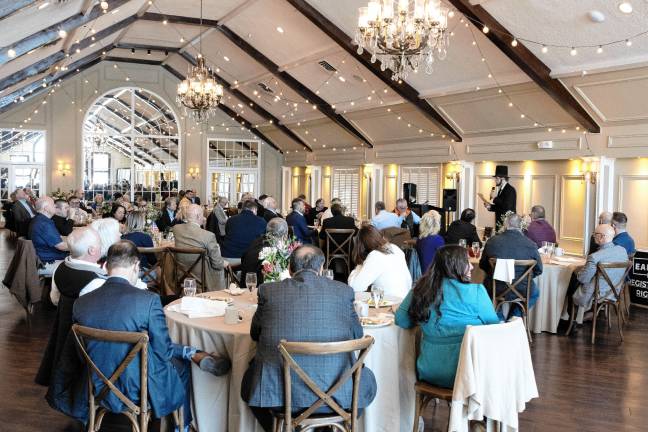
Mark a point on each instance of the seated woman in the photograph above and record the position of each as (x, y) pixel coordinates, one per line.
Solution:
(429, 240)
(443, 303)
(118, 212)
(135, 224)
(379, 263)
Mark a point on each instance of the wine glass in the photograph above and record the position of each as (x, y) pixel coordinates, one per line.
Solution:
(251, 281)
(475, 249)
(328, 273)
(462, 243)
(377, 295)
(189, 287)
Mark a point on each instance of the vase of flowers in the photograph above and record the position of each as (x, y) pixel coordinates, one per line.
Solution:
(275, 258)
(58, 194)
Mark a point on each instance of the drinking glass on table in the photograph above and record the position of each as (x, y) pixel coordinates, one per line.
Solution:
(377, 295)
(475, 249)
(328, 273)
(251, 281)
(189, 287)
(462, 243)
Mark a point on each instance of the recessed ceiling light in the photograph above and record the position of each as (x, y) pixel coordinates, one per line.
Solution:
(43, 6)
(625, 7)
(280, 30)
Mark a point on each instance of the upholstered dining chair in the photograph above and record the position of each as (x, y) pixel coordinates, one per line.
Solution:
(520, 300)
(340, 420)
(139, 415)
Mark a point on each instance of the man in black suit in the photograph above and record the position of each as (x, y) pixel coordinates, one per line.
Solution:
(338, 221)
(23, 212)
(503, 196)
(62, 220)
(463, 229)
(270, 209)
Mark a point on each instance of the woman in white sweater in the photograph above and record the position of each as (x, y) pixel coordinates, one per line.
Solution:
(379, 263)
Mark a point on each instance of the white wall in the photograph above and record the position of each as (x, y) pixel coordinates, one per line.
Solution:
(61, 119)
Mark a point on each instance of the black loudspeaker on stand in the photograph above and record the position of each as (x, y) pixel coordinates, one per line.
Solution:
(409, 192)
(450, 199)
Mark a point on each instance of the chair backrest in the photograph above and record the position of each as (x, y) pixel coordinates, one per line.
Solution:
(160, 251)
(287, 349)
(183, 271)
(397, 236)
(338, 249)
(602, 274)
(139, 340)
(527, 275)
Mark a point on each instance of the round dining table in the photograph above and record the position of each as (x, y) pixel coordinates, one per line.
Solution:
(217, 403)
(552, 285)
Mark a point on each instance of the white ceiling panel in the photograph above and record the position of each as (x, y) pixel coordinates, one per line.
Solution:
(281, 140)
(259, 23)
(213, 10)
(139, 54)
(559, 22)
(153, 33)
(325, 134)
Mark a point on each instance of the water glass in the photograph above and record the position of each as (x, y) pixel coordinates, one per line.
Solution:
(328, 273)
(475, 249)
(377, 296)
(251, 281)
(462, 243)
(189, 287)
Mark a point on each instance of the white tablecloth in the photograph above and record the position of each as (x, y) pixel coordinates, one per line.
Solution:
(552, 283)
(218, 406)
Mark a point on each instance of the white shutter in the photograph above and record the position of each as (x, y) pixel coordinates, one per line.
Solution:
(427, 183)
(346, 186)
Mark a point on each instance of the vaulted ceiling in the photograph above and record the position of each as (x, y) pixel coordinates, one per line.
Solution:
(293, 76)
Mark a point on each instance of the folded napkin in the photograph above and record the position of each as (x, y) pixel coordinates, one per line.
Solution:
(504, 270)
(196, 307)
(234, 289)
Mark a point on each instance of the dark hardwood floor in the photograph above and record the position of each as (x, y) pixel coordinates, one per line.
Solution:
(582, 387)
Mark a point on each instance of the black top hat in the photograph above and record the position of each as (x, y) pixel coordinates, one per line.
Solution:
(501, 171)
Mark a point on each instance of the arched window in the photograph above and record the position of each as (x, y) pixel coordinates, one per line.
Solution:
(131, 145)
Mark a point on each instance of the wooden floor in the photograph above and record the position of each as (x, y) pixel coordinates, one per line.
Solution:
(582, 387)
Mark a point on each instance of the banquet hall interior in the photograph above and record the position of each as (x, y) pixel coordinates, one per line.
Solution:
(518, 118)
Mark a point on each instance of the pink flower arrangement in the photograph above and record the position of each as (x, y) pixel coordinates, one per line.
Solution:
(276, 257)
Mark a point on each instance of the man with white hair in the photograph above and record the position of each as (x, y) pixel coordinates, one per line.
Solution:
(22, 212)
(270, 209)
(605, 218)
(69, 278)
(607, 252)
(191, 235)
(46, 239)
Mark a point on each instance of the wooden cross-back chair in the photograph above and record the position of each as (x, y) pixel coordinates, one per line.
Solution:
(603, 303)
(340, 419)
(426, 392)
(138, 415)
(196, 270)
(150, 272)
(339, 250)
(520, 300)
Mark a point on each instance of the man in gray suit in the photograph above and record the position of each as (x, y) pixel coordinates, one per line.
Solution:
(607, 252)
(307, 307)
(220, 212)
(23, 211)
(191, 235)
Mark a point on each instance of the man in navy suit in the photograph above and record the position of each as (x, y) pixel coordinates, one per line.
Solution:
(119, 306)
(241, 230)
(297, 221)
(304, 308)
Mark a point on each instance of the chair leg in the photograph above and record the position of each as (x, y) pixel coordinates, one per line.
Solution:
(572, 318)
(619, 312)
(607, 316)
(596, 311)
(417, 411)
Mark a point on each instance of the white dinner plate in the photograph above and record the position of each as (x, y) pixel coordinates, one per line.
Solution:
(377, 321)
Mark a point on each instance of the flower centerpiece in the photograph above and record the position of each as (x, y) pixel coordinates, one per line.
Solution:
(523, 225)
(276, 256)
(58, 194)
(106, 207)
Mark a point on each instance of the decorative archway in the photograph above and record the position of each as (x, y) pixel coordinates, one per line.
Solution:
(131, 145)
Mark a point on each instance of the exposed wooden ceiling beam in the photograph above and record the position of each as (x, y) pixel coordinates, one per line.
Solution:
(50, 34)
(9, 7)
(133, 60)
(251, 104)
(323, 106)
(403, 89)
(229, 112)
(527, 62)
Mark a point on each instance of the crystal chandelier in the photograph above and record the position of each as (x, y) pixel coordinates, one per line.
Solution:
(99, 137)
(199, 92)
(403, 34)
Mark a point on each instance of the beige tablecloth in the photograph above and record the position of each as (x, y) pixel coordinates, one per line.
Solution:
(218, 406)
(553, 284)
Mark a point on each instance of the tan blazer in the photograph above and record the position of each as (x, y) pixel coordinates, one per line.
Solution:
(192, 236)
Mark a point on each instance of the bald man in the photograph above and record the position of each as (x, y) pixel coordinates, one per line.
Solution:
(603, 219)
(47, 241)
(191, 235)
(607, 252)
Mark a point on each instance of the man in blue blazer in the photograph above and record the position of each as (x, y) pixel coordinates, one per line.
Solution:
(119, 306)
(241, 230)
(304, 308)
(297, 221)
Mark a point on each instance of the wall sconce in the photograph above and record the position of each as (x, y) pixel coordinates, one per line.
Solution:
(589, 170)
(453, 171)
(194, 172)
(63, 168)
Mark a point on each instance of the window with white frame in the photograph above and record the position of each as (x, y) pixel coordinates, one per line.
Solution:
(233, 168)
(427, 181)
(101, 168)
(346, 186)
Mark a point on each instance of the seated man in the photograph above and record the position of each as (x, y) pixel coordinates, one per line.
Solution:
(338, 221)
(297, 221)
(539, 230)
(270, 211)
(276, 230)
(191, 235)
(605, 218)
(607, 252)
(328, 213)
(242, 229)
(119, 306)
(23, 212)
(47, 241)
(281, 305)
(621, 237)
(62, 220)
(511, 244)
(463, 228)
(384, 219)
(408, 217)
(69, 278)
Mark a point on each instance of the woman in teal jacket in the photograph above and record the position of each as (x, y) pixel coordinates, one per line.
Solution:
(443, 303)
